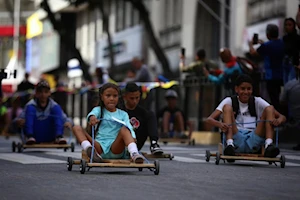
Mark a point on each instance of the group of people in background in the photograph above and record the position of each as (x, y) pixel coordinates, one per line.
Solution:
(280, 68)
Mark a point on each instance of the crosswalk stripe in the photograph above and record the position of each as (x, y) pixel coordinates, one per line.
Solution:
(188, 160)
(66, 154)
(27, 159)
(290, 157)
(260, 162)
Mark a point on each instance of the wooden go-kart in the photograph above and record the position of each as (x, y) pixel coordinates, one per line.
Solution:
(86, 164)
(241, 156)
(19, 147)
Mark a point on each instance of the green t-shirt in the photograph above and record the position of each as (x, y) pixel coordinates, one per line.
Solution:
(3, 110)
(197, 67)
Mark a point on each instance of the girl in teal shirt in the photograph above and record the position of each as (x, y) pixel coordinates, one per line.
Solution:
(115, 131)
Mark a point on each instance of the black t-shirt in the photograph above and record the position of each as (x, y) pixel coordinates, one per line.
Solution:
(25, 85)
(172, 111)
(139, 118)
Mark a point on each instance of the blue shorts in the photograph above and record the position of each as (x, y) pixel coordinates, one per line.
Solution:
(247, 141)
(111, 155)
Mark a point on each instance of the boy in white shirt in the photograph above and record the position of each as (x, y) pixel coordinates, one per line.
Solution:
(242, 135)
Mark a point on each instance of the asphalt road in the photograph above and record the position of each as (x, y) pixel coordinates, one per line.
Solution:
(42, 174)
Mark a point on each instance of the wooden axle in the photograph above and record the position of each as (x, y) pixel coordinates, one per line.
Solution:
(251, 158)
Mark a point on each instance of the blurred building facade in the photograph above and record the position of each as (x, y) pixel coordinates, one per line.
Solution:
(190, 24)
(7, 38)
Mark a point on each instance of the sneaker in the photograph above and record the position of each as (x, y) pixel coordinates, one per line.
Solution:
(137, 158)
(30, 141)
(183, 136)
(96, 157)
(229, 151)
(271, 151)
(60, 140)
(155, 149)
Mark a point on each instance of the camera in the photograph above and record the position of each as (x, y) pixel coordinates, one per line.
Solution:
(255, 38)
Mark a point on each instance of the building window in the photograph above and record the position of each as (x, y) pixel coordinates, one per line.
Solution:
(170, 34)
(263, 10)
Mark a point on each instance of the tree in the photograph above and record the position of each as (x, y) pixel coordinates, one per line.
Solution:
(144, 14)
(101, 4)
(59, 27)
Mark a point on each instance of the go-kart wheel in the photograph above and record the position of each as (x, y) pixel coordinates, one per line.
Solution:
(156, 164)
(20, 147)
(207, 155)
(82, 166)
(70, 164)
(72, 146)
(217, 158)
(171, 156)
(14, 146)
(140, 169)
(282, 161)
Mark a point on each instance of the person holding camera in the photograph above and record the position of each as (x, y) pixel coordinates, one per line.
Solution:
(272, 52)
(291, 42)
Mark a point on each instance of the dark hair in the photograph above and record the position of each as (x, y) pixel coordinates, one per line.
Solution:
(201, 53)
(26, 75)
(291, 20)
(272, 30)
(243, 78)
(131, 87)
(101, 103)
(42, 84)
(105, 87)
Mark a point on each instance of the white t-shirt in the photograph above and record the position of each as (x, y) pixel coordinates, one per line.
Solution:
(244, 118)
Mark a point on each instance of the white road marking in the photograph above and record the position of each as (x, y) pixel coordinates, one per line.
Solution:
(28, 159)
(76, 155)
(188, 160)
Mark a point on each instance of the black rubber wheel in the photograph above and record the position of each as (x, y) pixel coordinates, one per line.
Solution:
(217, 158)
(13, 146)
(140, 169)
(72, 146)
(207, 155)
(65, 149)
(156, 164)
(70, 164)
(20, 147)
(82, 166)
(171, 156)
(282, 161)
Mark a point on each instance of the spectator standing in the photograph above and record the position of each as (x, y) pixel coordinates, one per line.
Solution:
(291, 49)
(25, 86)
(142, 72)
(272, 53)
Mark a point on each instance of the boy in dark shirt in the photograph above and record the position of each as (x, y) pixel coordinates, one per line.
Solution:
(174, 122)
(143, 121)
